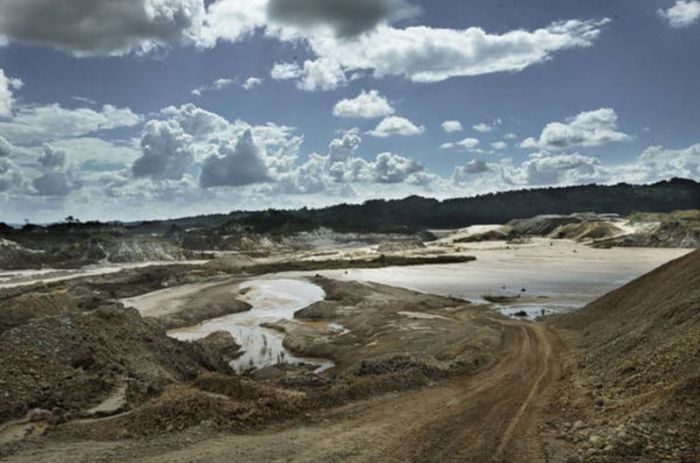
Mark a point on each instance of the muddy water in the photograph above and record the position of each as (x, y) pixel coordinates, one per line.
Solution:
(272, 300)
(563, 274)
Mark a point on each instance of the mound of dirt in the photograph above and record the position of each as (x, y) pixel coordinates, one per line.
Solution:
(541, 225)
(221, 348)
(223, 402)
(501, 234)
(595, 230)
(639, 360)
(73, 361)
(19, 310)
(119, 250)
(668, 234)
(14, 256)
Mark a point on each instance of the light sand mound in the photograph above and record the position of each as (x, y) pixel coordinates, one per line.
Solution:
(586, 231)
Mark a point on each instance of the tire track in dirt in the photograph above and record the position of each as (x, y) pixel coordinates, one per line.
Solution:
(537, 331)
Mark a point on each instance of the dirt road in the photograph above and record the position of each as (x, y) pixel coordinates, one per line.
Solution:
(493, 416)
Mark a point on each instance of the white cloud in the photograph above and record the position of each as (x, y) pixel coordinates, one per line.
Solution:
(286, 71)
(11, 176)
(395, 125)
(36, 124)
(468, 143)
(659, 162)
(232, 20)
(510, 136)
(220, 84)
(56, 178)
(545, 169)
(7, 86)
(235, 165)
(426, 54)
(452, 126)
(102, 27)
(252, 82)
(682, 14)
(97, 154)
(167, 150)
(342, 168)
(321, 74)
(589, 128)
(367, 105)
(482, 127)
(469, 169)
(344, 148)
(499, 145)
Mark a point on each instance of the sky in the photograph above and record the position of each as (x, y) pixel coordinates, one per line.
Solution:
(144, 109)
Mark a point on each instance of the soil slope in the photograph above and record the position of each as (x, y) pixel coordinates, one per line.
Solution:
(638, 360)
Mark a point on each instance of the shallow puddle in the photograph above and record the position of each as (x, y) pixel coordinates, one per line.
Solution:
(534, 311)
(272, 300)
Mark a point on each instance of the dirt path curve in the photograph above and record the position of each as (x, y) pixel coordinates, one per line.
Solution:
(491, 417)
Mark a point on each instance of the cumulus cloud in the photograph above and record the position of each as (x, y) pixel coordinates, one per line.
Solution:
(321, 74)
(56, 179)
(589, 128)
(344, 18)
(37, 124)
(7, 87)
(102, 27)
(52, 158)
(220, 84)
(682, 14)
(469, 144)
(231, 21)
(341, 149)
(343, 167)
(10, 175)
(167, 151)
(660, 162)
(251, 82)
(545, 169)
(235, 165)
(367, 105)
(390, 168)
(475, 166)
(452, 126)
(482, 127)
(395, 125)
(499, 145)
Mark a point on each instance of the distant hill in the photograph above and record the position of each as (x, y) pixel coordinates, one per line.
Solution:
(416, 213)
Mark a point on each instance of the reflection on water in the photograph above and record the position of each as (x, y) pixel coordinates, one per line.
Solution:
(272, 300)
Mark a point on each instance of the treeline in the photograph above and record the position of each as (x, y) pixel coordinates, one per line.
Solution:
(416, 213)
